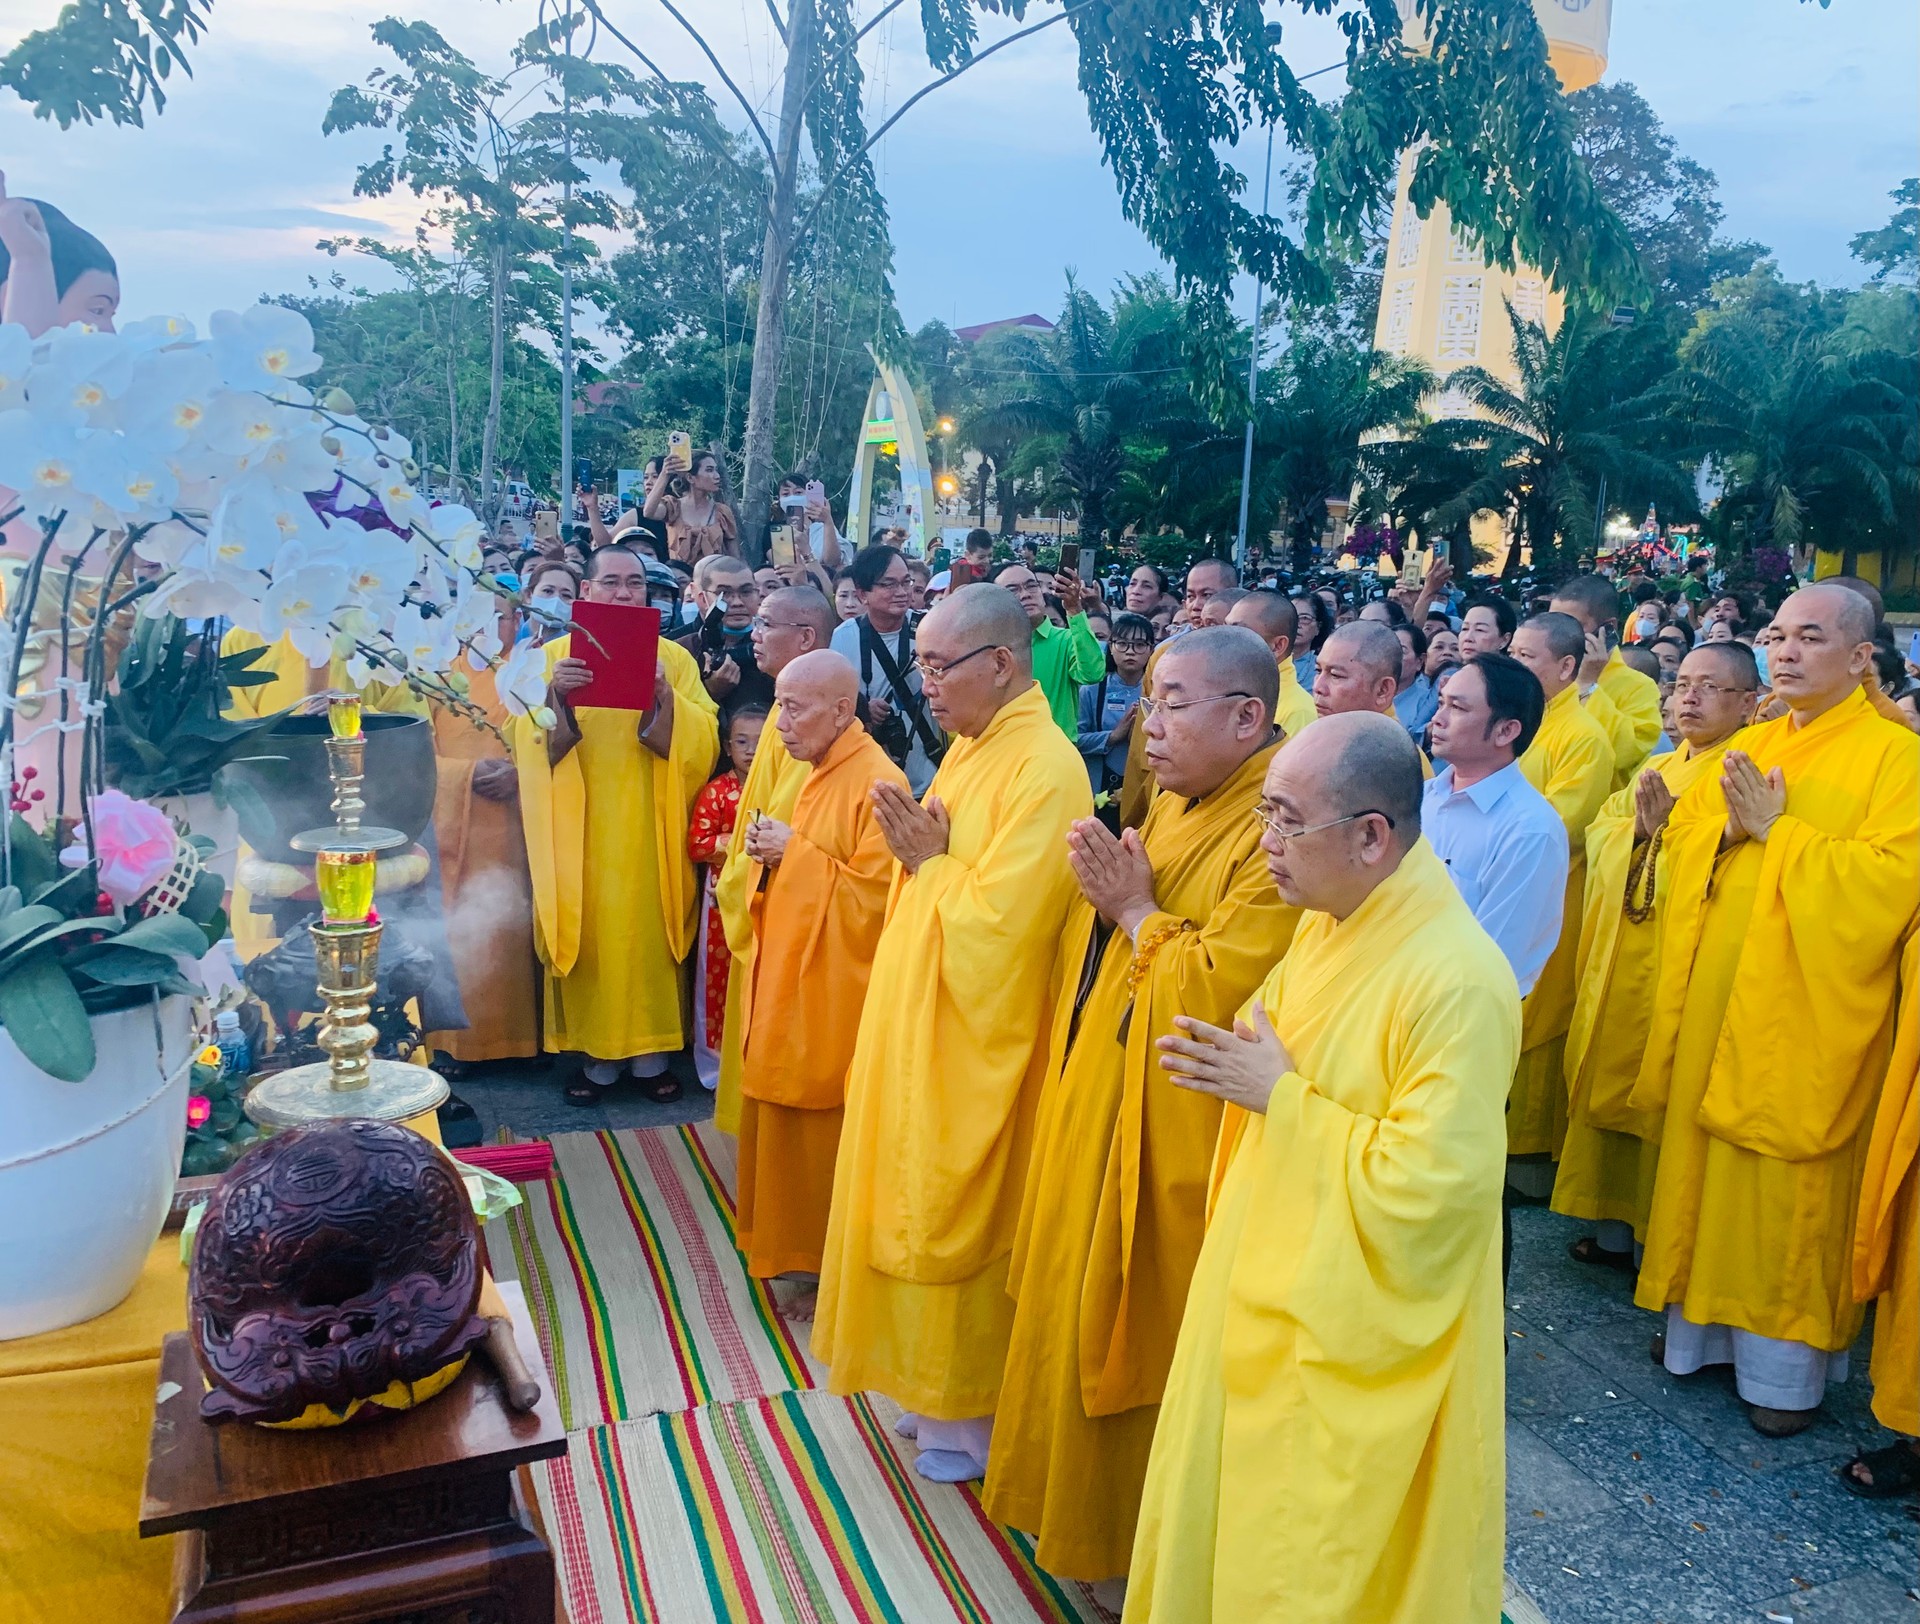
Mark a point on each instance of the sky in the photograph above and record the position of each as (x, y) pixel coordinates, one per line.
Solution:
(994, 182)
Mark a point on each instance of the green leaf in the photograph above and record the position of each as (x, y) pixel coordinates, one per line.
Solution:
(23, 922)
(9, 899)
(44, 1016)
(119, 966)
(165, 933)
(75, 889)
(35, 862)
(203, 901)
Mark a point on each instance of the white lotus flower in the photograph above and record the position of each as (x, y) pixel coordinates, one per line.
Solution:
(16, 357)
(522, 679)
(301, 606)
(262, 347)
(78, 373)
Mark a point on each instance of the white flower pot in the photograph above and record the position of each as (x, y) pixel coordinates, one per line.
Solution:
(87, 1169)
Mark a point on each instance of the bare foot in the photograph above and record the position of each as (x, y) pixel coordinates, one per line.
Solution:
(793, 1301)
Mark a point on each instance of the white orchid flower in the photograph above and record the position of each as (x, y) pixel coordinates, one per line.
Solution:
(380, 567)
(158, 332)
(425, 642)
(262, 347)
(395, 493)
(167, 543)
(522, 679)
(130, 479)
(301, 606)
(197, 589)
(78, 374)
(255, 519)
(169, 399)
(44, 460)
(16, 359)
(245, 426)
(458, 531)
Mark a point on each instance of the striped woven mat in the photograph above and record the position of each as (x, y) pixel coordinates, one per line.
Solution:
(642, 1306)
(708, 1476)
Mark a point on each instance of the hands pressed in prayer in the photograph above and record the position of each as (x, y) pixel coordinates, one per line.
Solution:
(1114, 875)
(1755, 800)
(495, 780)
(1652, 805)
(766, 840)
(1239, 1067)
(913, 832)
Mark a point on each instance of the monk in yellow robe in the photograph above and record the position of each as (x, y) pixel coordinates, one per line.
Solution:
(1206, 578)
(1331, 1447)
(1179, 917)
(792, 621)
(605, 798)
(1886, 1252)
(1625, 702)
(1793, 877)
(1272, 617)
(1608, 1161)
(953, 1043)
(1570, 762)
(816, 923)
(485, 889)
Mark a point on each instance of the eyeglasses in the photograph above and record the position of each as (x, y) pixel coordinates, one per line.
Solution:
(893, 583)
(940, 673)
(1271, 824)
(1135, 645)
(1688, 685)
(1173, 706)
(760, 623)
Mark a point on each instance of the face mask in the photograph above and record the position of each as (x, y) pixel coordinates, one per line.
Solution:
(1649, 624)
(510, 579)
(559, 610)
(1760, 659)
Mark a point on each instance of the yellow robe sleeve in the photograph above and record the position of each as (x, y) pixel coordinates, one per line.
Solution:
(1636, 699)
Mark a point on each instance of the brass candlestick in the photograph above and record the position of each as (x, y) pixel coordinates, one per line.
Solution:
(351, 1082)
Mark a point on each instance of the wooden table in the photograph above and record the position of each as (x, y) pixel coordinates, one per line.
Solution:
(410, 1516)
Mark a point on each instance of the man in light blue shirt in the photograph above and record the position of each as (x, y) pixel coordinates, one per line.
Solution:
(1500, 838)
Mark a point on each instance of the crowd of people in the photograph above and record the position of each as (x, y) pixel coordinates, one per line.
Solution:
(1139, 1007)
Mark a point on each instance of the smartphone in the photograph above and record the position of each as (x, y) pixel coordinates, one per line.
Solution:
(713, 629)
(794, 503)
(959, 574)
(1069, 558)
(546, 525)
(780, 546)
(583, 474)
(679, 450)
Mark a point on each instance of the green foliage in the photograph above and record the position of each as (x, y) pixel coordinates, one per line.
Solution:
(215, 1144)
(1894, 250)
(104, 59)
(165, 731)
(64, 959)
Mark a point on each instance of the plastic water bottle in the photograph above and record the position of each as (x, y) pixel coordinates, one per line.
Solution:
(236, 1055)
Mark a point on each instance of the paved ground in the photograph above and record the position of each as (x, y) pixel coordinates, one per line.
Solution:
(1632, 1497)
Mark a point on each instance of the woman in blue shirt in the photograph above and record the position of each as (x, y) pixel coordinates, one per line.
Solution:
(1110, 707)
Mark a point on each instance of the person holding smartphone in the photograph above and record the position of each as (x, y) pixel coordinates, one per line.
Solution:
(802, 503)
(879, 643)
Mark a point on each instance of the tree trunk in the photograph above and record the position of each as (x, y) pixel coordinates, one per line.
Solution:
(985, 468)
(1009, 503)
(776, 255)
(491, 500)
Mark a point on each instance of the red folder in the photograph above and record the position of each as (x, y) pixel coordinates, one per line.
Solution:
(621, 644)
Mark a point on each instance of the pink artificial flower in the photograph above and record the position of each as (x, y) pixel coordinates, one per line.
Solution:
(199, 1109)
(134, 843)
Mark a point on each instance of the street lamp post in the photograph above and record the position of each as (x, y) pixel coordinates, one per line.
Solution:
(566, 291)
(1253, 361)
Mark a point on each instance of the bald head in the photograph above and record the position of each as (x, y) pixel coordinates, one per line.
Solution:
(1328, 780)
(983, 616)
(1216, 574)
(1228, 660)
(1359, 670)
(818, 695)
(1589, 599)
(792, 621)
(1215, 610)
(1822, 649)
(1271, 617)
(1864, 589)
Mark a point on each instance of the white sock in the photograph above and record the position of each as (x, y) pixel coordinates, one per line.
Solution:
(648, 1065)
(603, 1073)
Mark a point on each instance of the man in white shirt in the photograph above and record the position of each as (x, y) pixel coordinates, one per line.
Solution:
(879, 645)
(1500, 838)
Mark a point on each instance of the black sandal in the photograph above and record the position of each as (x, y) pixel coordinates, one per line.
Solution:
(1895, 1469)
(661, 1090)
(1587, 1249)
(583, 1093)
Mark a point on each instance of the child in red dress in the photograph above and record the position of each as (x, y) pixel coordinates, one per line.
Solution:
(714, 810)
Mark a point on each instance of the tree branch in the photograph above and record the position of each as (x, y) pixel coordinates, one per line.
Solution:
(753, 118)
(779, 22)
(826, 186)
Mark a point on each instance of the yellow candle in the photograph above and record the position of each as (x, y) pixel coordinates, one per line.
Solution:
(345, 883)
(343, 716)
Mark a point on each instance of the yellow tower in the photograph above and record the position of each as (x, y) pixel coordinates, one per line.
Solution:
(1440, 302)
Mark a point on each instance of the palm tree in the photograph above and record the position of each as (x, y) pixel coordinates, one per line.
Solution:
(1816, 442)
(1587, 404)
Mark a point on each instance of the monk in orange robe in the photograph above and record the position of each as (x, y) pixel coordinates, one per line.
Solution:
(484, 884)
(816, 923)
